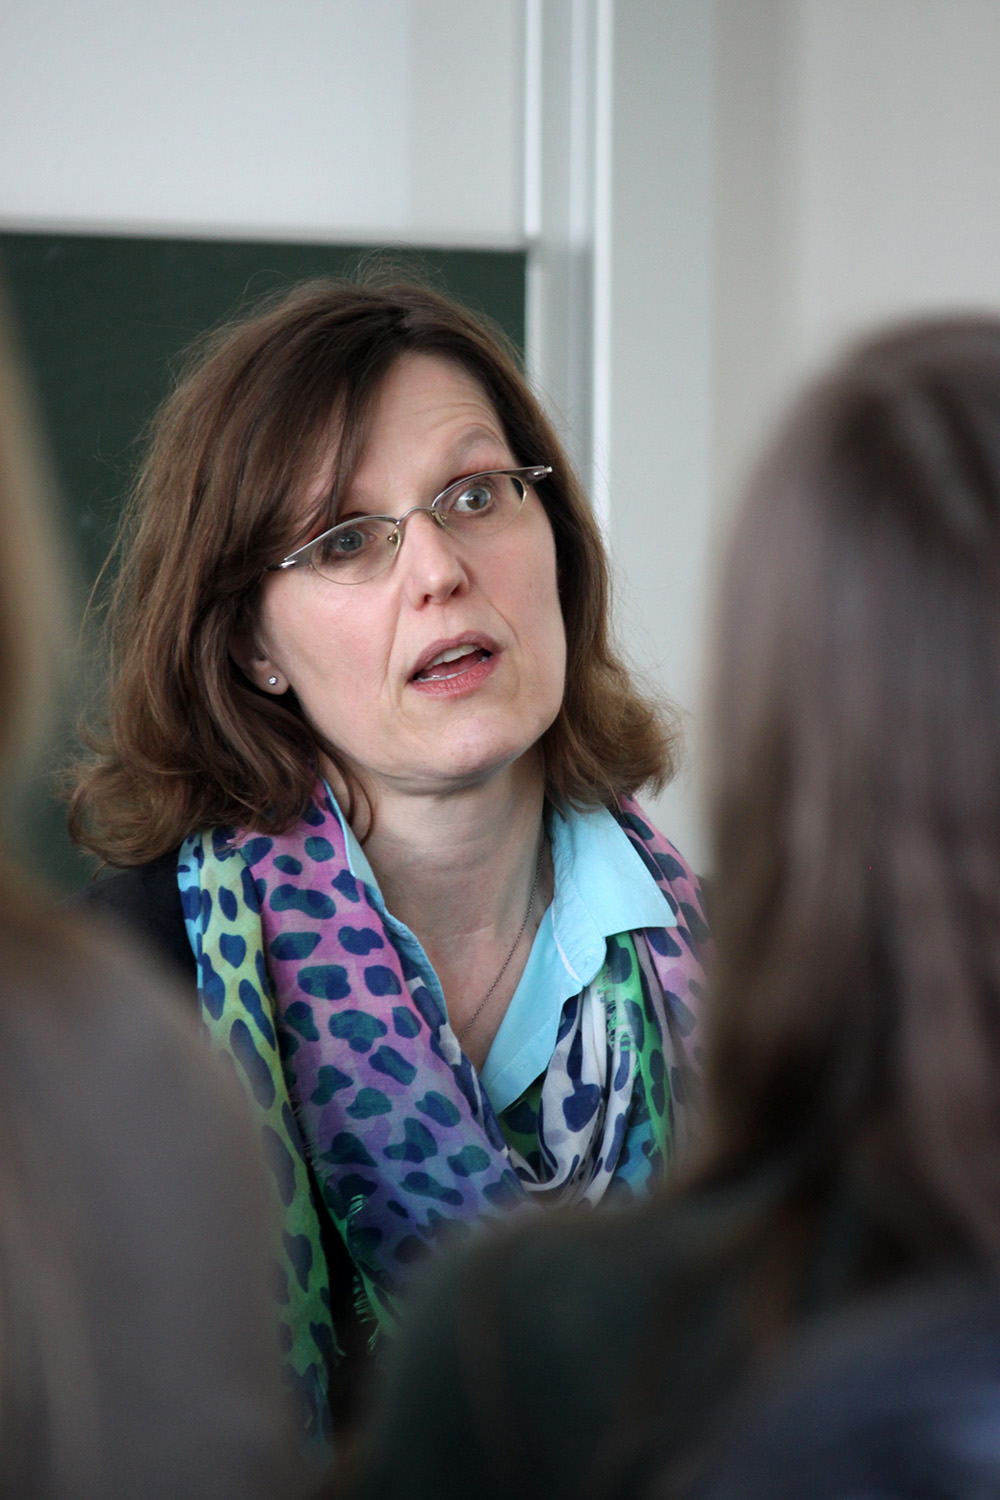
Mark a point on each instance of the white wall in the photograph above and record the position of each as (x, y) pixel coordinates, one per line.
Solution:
(900, 124)
(659, 448)
(784, 173)
(859, 143)
(331, 119)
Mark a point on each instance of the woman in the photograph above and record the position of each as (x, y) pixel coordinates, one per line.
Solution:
(852, 1117)
(368, 732)
(136, 1354)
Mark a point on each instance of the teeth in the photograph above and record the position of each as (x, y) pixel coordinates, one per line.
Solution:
(452, 654)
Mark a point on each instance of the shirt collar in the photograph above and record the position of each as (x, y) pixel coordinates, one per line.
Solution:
(601, 887)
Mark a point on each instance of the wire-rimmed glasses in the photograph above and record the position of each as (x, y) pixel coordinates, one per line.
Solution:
(480, 505)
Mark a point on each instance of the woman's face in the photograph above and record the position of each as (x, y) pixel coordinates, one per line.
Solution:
(361, 657)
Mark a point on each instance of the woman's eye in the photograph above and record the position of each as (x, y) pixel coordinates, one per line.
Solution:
(340, 545)
(474, 499)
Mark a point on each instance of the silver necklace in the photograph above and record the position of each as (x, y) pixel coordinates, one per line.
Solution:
(513, 949)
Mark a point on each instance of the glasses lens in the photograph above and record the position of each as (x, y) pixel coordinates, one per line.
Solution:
(362, 548)
(485, 504)
(355, 550)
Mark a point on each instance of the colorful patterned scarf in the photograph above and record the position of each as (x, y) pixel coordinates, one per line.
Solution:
(371, 1116)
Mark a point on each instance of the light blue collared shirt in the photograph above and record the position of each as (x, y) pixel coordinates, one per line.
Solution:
(602, 887)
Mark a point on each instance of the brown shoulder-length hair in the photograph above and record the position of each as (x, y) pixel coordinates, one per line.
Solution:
(188, 741)
(856, 792)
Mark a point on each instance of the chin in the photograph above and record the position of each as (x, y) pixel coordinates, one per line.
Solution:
(473, 765)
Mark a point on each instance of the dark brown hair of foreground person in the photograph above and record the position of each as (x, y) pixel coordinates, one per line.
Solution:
(853, 1031)
(856, 806)
(189, 741)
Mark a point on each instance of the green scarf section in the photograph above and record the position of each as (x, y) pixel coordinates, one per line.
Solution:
(238, 1015)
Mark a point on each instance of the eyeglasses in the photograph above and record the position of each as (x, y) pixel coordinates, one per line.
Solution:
(359, 549)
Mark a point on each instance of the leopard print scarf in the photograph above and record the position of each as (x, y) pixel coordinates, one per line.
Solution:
(370, 1115)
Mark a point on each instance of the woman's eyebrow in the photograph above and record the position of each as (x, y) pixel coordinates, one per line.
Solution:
(355, 497)
(475, 437)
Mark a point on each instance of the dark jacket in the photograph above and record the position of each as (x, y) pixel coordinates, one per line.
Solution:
(145, 903)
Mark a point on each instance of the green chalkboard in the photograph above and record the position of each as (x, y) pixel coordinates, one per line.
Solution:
(101, 321)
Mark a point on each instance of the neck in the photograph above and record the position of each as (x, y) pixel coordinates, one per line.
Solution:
(451, 863)
(458, 870)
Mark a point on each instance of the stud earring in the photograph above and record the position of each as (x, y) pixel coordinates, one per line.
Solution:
(273, 681)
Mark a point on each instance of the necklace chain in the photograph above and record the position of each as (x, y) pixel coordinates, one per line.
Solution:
(513, 949)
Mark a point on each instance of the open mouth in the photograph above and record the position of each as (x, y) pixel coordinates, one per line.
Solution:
(452, 663)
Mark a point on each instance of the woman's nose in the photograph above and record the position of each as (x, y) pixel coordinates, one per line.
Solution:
(429, 558)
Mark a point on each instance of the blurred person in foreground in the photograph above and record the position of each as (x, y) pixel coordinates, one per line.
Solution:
(136, 1353)
(852, 1138)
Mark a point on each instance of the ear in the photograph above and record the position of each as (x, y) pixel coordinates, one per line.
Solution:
(252, 662)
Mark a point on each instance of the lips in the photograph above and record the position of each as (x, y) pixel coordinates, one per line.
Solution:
(445, 659)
